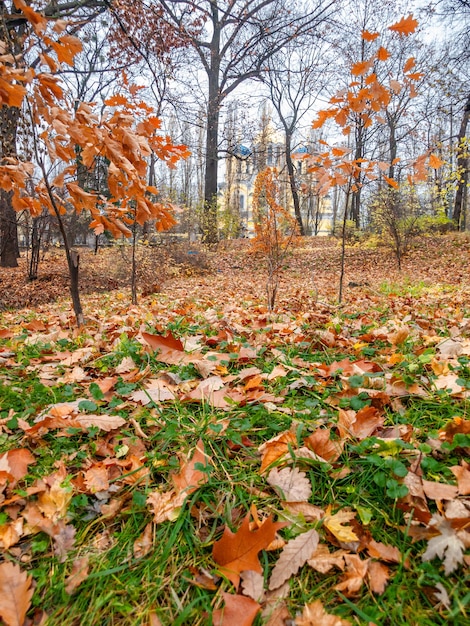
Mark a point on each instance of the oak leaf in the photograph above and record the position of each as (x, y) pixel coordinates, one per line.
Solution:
(15, 594)
(406, 26)
(294, 486)
(238, 611)
(315, 615)
(368, 36)
(236, 552)
(294, 555)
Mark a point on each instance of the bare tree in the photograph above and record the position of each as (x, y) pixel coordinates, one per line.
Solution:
(234, 40)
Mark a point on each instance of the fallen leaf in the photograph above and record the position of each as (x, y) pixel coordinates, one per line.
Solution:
(294, 555)
(276, 448)
(236, 552)
(378, 575)
(335, 522)
(78, 574)
(447, 545)
(238, 611)
(144, 543)
(190, 477)
(252, 584)
(353, 578)
(462, 473)
(103, 422)
(293, 485)
(322, 560)
(15, 594)
(321, 443)
(315, 615)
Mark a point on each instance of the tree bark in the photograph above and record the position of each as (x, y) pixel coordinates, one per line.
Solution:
(9, 249)
(462, 167)
(293, 185)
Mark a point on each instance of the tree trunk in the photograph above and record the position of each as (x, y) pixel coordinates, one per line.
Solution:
(9, 249)
(209, 221)
(293, 185)
(462, 167)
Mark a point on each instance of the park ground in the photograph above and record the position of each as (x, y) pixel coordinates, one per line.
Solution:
(196, 459)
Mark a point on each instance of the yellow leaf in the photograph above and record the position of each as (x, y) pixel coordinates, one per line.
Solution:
(335, 522)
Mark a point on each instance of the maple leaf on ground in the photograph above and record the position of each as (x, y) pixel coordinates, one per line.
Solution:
(236, 552)
(15, 594)
(335, 522)
(293, 485)
(322, 560)
(238, 611)
(18, 460)
(315, 615)
(321, 443)
(294, 555)
(353, 578)
(447, 545)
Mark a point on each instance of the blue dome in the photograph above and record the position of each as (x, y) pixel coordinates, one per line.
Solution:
(242, 150)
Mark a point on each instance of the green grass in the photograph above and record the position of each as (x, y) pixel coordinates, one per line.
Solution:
(123, 590)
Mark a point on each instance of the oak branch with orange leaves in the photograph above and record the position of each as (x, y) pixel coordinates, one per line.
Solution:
(67, 136)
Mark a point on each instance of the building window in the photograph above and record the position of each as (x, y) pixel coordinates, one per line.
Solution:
(242, 202)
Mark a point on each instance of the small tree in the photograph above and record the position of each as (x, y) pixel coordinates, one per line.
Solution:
(275, 229)
(124, 134)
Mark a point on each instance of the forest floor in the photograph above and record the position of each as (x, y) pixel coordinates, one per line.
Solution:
(195, 459)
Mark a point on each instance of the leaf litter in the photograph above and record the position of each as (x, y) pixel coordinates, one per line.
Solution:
(336, 392)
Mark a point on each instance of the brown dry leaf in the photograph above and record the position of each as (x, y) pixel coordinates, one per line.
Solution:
(96, 479)
(293, 485)
(54, 502)
(144, 543)
(353, 578)
(378, 575)
(322, 560)
(170, 349)
(15, 594)
(78, 574)
(18, 460)
(439, 491)
(457, 426)
(236, 552)
(309, 512)
(462, 473)
(190, 478)
(103, 422)
(315, 615)
(294, 555)
(252, 584)
(335, 522)
(11, 533)
(320, 442)
(276, 448)
(381, 551)
(165, 505)
(238, 611)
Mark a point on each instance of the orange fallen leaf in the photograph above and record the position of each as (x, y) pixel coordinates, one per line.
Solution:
(236, 552)
(238, 611)
(144, 543)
